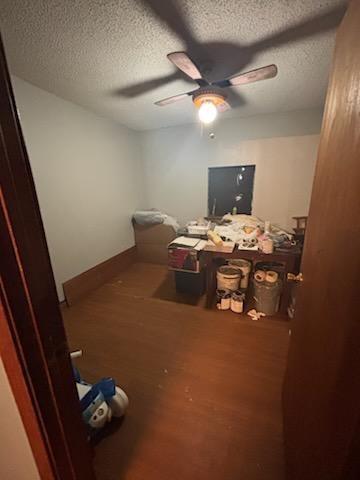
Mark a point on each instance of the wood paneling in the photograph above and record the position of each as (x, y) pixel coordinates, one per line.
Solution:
(204, 385)
(28, 295)
(152, 242)
(322, 387)
(79, 286)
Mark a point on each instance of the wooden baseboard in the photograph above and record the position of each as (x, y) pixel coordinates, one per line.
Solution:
(79, 286)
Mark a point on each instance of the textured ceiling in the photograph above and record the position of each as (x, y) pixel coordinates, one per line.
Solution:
(86, 50)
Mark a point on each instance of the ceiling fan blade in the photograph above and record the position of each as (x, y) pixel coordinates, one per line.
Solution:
(182, 61)
(252, 76)
(173, 99)
(303, 29)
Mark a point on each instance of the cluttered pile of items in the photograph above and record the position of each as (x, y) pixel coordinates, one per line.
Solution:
(234, 287)
(251, 233)
(239, 281)
(255, 258)
(246, 232)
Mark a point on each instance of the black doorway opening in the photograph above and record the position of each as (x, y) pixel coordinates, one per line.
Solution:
(229, 188)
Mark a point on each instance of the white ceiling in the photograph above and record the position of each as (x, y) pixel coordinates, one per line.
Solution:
(85, 50)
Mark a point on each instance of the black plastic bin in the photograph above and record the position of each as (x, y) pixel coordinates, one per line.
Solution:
(191, 283)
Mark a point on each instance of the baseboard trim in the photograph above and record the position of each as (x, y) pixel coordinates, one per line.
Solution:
(79, 286)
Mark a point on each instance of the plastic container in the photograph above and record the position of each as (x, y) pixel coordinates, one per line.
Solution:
(237, 302)
(228, 278)
(223, 299)
(220, 294)
(267, 245)
(190, 283)
(198, 229)
(245, 267)
(267, 297)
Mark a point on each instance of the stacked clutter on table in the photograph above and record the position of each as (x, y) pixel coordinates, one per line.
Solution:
(224, 235)
(251, 233)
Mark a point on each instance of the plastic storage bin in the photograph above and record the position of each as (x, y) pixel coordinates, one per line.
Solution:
(191, 283)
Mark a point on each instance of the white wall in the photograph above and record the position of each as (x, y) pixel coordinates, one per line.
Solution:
(283, 147)
(88, 178)
(16, 458)
(91, 173)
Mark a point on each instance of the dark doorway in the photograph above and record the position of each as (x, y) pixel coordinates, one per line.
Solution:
(229, 188)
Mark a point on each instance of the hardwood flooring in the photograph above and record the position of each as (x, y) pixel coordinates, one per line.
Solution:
(204, 386)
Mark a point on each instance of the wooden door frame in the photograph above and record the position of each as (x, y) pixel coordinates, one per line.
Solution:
(33, 343)
(321, 409)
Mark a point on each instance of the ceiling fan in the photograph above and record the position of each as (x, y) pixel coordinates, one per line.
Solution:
(222, 59)
(210, 98)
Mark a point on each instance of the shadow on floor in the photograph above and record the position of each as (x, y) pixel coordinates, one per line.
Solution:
(167, 291)
(111, 429)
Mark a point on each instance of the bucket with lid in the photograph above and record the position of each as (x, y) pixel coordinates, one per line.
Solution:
(245, 267)
(228, 278)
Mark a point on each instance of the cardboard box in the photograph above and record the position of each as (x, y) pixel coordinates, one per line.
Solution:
(152, 241)
(152, 253)
(154, 234)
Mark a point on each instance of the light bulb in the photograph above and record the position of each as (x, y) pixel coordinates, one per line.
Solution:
(207, 112)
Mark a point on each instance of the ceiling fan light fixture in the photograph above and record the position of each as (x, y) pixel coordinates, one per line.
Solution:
(209, 102)
(207, 112)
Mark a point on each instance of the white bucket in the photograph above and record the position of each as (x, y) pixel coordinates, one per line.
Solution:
(228, 278)
(245, 268)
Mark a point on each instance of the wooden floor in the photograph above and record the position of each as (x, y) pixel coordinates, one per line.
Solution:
(204, 386)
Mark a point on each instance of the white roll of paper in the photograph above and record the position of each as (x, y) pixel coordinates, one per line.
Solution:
(271, 276)
(260, 275)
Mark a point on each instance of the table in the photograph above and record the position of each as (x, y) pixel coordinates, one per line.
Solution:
(289, 260)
